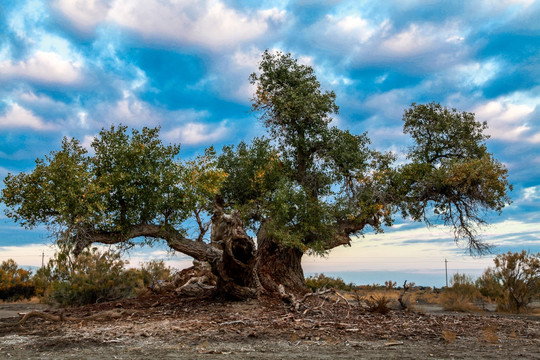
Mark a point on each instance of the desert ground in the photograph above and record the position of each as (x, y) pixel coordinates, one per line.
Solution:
(165, 326)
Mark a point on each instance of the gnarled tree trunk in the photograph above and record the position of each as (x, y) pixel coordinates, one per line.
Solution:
(236, 269)
(278, 265)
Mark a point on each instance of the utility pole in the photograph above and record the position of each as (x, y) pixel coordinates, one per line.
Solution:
(43, 259)
(446, 270)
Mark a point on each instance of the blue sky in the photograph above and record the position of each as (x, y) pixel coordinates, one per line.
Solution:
(71, 67)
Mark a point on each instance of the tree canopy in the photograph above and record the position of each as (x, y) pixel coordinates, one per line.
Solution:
(309, 187)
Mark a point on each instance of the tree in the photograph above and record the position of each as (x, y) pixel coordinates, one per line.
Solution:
(310, 189)
(15, 283)
(515, 280)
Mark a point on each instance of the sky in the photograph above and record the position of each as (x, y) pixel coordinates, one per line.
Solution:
(72, 67)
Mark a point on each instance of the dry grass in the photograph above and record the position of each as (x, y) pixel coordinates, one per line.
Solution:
(489, 335)
(32, 300)
(377, 303)
(424, 297)
(451, 301)
(449, 336)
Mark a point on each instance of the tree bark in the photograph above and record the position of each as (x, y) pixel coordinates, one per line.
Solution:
(278, 265)
(236, 269)
(242, 269)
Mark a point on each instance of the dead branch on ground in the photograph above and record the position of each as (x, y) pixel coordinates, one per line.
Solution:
(297, 304)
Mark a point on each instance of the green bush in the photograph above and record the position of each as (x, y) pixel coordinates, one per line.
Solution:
(15, 283)
(514, 282)
(154, 270)
(321, 281)
(461, 295)
(89, 278)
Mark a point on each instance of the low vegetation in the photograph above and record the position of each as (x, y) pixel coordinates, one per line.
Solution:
(15, 283)
(92, 277)
(99, 276)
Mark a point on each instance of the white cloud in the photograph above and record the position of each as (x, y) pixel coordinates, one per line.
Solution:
(411, 41)
(18, 117)
(84, 14)
(129, 110)
(421, 249)
(87, 142)
(194, 133)
(210, 23)
(422, 38)
(475, 73)
(28, 255)
(232, 72)
(355, 28)
(43, 66)
(362, 40)
(507, 121)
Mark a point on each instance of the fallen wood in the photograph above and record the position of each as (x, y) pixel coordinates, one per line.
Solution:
(109, 314)
(296, 304)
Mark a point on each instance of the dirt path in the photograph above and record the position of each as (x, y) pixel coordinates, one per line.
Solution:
(163, 328)
(8, 310)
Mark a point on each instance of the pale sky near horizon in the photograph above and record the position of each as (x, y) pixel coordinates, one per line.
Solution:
(71, 67)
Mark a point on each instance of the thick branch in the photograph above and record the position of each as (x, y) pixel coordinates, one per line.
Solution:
(345, 228)
(196, 249)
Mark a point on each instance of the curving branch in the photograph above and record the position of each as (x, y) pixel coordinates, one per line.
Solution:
(196, 249)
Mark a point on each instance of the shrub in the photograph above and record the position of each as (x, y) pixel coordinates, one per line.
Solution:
(514, 282)
(154, 270)
(15, 283)
(377, 303)
(91, 277)
(461, 295)
(321, 281)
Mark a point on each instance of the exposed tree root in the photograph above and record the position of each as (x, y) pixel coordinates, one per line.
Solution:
(104, 315)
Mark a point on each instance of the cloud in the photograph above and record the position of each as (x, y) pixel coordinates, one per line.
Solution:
(350, 29)
(194, 133)
(43, 66)
(18, 117)
(424, 45)
(84, 14)
(29, 254)
(507, 121)
(208, 23)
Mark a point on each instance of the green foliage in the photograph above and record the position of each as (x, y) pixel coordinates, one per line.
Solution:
(153, 271)
(311, 187)
(253, 172)
(91, 277)
(321, 281)
(461, 295)
(131, 179)
(200, 180)
(15, 283)
(514, 282)
(451, 172)
(491, 288)
(327, 175)
(136, 177)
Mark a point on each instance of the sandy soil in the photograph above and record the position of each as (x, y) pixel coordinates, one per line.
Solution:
(167, 327)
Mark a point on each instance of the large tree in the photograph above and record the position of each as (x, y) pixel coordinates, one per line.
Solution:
(309, 188)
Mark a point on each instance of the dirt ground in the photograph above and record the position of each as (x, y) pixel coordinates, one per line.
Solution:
(163, 327)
